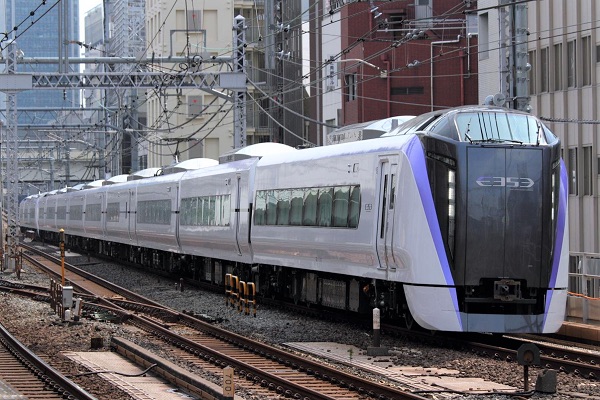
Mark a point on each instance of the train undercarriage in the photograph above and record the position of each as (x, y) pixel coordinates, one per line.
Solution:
(333, 292)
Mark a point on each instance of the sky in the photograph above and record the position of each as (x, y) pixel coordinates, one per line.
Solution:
(85, 6)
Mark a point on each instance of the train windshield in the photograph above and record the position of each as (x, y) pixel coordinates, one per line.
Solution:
(500, 127)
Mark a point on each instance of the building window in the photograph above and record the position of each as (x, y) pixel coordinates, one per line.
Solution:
(195, 106)
(532, 75)
(544, 65)
(351, 86)
(587, 171)
(143, 161)
(193, 20)
(586, 59)
(334, 5)
(484, 37)
(558, 67)
(411, 90)
(395, 24)
(571, 64)
(330, 125)
(573, 171)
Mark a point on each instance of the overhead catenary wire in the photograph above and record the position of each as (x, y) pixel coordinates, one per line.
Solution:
(446, 54)
(158, 123)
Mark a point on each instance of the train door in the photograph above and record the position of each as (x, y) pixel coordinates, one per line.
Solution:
(102, 215)
(176, 206)
(237, 201)
(388, 175)
(505, 197)
(128, 215)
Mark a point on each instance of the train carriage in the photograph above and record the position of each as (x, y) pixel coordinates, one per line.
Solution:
(27, 212)
(75, 201)
(93, 212)
(61, 210)
(213, 216)
(499, 197)
(155, 210)
(456, 220)
(119, 216)
(47, 212)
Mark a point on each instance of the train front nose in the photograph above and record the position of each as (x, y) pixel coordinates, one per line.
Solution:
(504, 266)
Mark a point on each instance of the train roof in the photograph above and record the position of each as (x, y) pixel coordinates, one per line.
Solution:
(144, 173)
(191, 164)
(256, 150)
(424, 120)
(93, 184)
(480, 124)
(115, 179)
(365, 130)
(342, 149)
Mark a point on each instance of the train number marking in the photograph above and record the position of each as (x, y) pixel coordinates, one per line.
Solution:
(505, 181)
(369, 207)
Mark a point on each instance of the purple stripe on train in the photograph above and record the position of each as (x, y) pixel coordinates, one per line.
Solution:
(416, 156)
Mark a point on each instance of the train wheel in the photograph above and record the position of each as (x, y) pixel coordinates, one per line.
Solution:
(409, 321)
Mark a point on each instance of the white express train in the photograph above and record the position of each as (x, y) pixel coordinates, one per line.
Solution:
(456, 220)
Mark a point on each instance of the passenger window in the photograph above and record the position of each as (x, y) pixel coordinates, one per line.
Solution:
(325, 206)
(260, 208)
(212, 210)
(296, 206)
(205, 211)
(310, 208)
(283, 207)
(271, 208)
(354, 212)
(225, 210)
(341, 199)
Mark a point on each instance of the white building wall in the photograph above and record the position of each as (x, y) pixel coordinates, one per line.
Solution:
(332, 85)
(489, 50)
(166, 22)
(555, 23)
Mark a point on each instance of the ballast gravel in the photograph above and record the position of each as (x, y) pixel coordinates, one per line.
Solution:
(39, 328)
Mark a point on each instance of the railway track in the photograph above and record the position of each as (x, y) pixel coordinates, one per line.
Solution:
(257, 364)
(195, 347)
(30, 376)
(567, 357)
(563, 358)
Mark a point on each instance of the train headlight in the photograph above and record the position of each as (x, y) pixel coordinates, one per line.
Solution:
(451, 209)
(451, 193)
(553, 196)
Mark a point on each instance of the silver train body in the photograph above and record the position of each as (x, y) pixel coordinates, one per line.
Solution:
(456, 221)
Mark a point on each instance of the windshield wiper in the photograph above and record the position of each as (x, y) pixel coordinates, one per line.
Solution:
(500, 140)
(468, 130)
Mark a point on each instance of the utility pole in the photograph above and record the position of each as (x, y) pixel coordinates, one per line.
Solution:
(239, 99)
(11, 177)
(2, 264)
(514, 66)
(12, 82)
(521, 65)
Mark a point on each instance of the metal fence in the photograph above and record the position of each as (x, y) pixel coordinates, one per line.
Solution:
(584, 286)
